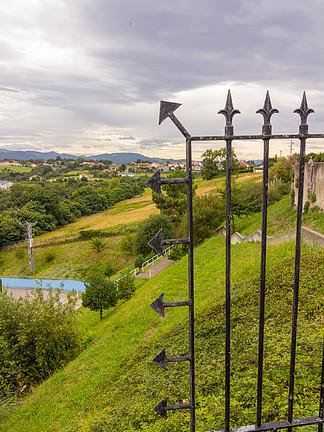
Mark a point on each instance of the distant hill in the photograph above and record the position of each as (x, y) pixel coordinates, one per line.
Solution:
(117, 158)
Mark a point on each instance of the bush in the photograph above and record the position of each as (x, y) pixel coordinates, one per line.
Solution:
(109, 270)
(306, 207)
(96, 244)
(21, 253)
(178, 251)
(208, 214)
(148, 229)
(37, 336)
(49, 255)
(139, 261)
(126, 285)
(127, 243)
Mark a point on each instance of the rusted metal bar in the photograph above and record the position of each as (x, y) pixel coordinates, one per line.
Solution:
(275, 425)
(254, 137)
(303, 111)
(191, 286)
(267, 111)
(321, 404)
(229, 113)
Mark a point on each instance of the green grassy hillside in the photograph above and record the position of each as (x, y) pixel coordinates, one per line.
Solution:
(113, 385)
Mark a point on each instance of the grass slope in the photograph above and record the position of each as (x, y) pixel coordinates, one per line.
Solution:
(113, 386)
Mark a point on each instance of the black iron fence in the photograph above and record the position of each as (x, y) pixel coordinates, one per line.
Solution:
(167, 111)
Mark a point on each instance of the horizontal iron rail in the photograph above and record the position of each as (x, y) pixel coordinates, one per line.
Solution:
(274, 425)
(174, 180)
(175, 241)
(249, 137)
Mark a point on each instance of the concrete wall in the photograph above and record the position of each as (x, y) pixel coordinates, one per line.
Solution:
(308, 235)
(313, 182)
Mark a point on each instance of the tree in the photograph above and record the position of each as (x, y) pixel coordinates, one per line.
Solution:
(173, 201)
(100, 293)
(283, 169)
(147, 230)
(211, 159)
(126, 285)
(208, 214)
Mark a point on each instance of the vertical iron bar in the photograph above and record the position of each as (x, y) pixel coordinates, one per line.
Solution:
(263, 276)
(191, 286)
(228, 283)
(296, 278)
(321, 405)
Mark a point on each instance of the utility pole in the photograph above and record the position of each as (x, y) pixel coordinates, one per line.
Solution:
(30, 245)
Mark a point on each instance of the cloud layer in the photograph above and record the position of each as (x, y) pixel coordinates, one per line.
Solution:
(87, 76)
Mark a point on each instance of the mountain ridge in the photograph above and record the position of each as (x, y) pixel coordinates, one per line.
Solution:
(118, 158)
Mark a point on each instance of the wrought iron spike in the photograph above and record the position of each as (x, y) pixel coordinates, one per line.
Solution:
(154, 182)
(160, 359)
(304, 111)
(267, 110)
(166, 108)
(161, 408)
(156, 242)
(158, 305)
(229, 110)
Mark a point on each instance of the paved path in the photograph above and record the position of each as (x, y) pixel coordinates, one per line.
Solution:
(22, 292)
(156, 268)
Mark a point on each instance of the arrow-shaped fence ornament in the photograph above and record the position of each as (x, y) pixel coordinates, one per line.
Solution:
(155, 182)
(162, 407)
(161, 359)
(167, 110)
(159, 304)
(157, 242)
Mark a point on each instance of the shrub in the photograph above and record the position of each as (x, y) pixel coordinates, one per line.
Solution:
(139, 261)
(306, 207)
(126, 285)
(96, 244)
(109, 270)
(147, 230)
(20, 253)
(38, 336)
(312, 197)
(49, 255)
(208, 214)
(127, 243)
(178, 251)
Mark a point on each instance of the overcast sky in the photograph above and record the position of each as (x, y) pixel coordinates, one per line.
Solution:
(86, 76)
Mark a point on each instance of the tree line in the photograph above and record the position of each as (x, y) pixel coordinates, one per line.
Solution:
(54, 204)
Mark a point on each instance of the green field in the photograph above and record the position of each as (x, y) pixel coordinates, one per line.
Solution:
(15, 169)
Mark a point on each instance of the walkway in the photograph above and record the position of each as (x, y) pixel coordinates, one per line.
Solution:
(156, 268)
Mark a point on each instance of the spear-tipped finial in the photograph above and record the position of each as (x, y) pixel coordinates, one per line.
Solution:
(229, 110)
(267, 112)
(229, 113)
(304, 112)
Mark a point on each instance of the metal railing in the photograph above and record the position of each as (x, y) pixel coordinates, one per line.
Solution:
(156, 258)
(167, 111)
